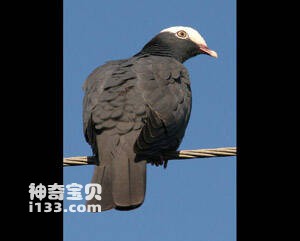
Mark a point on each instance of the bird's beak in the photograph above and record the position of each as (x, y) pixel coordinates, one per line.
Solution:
(205, 50)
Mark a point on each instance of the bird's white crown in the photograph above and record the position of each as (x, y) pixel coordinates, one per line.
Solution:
(193, 34)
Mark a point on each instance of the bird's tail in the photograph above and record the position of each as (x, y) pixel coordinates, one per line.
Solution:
(122, 178)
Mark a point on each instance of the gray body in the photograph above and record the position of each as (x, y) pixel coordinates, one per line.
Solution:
(133, 110)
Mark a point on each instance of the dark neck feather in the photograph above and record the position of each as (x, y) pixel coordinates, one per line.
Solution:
(166, 44)
(158, 47)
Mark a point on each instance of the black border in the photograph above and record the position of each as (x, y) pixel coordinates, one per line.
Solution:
(38, 115)
(254, 85)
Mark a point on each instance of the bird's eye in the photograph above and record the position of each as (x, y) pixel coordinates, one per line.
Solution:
(182, 34)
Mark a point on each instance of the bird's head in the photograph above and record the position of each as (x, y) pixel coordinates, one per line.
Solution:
(179, 42)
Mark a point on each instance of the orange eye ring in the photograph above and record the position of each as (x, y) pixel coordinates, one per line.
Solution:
(182, 34)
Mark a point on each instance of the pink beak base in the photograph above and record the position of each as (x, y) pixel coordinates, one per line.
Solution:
(204, 49)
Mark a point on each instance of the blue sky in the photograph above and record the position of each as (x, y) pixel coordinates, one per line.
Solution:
(191, 199)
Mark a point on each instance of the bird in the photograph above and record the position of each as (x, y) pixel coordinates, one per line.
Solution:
(136, 109)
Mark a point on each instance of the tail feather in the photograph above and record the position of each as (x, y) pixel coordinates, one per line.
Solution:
(129, 182)
(122, 177)
(102, 175)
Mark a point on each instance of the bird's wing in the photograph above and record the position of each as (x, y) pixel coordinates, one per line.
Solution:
(103, 100)
(165, 87)
(113, 112)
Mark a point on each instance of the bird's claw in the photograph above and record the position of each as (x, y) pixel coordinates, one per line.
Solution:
(160, 162)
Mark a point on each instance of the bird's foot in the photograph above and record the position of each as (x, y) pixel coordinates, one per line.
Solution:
(159, 162)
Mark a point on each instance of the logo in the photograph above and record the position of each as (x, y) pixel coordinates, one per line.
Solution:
(55, 193)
